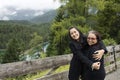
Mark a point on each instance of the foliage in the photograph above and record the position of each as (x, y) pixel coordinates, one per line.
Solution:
(20, 30)
(72, 14)
(59, 35)
(43, 55)
(13, 51)
(36, 40)
(109, 20)
(109, 41)
(28, 35)
(98, 4)
(61, 69)
(10, 30)
(100, 15)
(2, 52)
(30, 76)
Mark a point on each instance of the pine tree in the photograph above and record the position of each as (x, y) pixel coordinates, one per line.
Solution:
(109, 20)
(13, 51)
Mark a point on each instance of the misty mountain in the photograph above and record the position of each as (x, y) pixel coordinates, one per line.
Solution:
(45, 18)
(36, 16)
(22, 15)
(12, 13)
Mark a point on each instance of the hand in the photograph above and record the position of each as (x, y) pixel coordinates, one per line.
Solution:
(96, 66)
(99, 54)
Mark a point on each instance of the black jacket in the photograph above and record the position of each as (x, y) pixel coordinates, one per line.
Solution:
(78, 59)
(95, 74)
(78, 55)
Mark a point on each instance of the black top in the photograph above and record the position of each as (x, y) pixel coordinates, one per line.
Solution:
(94, 74)
(77, 48)
(76, 64)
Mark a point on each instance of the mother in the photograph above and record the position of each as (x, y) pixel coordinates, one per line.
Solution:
(94, 41)
(77, 45)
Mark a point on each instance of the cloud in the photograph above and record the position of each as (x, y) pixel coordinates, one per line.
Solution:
(38, 13)
(5, 18)
(30, 4)
(9, 7)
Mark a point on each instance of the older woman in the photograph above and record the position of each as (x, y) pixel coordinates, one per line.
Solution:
(94, 42)
(77, 45)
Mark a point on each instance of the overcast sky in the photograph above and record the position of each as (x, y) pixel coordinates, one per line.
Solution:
(7, 5)
(32, 4)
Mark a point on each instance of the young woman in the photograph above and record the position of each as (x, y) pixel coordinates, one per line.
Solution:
(94, 42)
(77, 45)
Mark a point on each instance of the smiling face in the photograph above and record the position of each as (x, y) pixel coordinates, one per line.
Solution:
(74, 33)
(91, 39)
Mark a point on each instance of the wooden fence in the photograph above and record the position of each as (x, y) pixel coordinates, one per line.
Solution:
(26, 67)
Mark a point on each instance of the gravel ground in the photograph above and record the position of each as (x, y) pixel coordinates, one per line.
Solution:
(114, 75)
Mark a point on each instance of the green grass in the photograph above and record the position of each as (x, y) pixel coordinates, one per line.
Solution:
(39, 74)
(30, 76)
(61, 69)
(118, 59)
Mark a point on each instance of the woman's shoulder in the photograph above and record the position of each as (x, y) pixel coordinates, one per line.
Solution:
(84, 40)
(71, 43)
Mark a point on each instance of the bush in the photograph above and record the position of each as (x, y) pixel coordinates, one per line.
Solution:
(109, 41)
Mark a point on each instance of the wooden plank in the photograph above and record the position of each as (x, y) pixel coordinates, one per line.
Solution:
(22, 68)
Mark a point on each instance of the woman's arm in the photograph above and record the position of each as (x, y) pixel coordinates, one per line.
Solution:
(103, 47)
(100, 52)
(80, 55)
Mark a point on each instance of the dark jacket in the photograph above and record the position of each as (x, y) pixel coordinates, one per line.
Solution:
(95, 74)
(78, 59)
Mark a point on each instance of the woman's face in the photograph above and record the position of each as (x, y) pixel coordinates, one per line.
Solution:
(91, 39)
(74, 34)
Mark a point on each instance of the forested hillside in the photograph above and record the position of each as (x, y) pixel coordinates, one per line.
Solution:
(22, 30)
(22, 38)
(16, 37)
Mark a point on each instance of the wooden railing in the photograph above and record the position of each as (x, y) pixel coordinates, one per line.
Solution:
(26, 67)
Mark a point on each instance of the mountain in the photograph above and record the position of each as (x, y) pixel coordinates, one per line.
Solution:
(45, 18)
(23, 14)
(36, 16)
(12, 13)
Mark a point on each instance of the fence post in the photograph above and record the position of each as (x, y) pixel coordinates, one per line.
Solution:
(114, 56)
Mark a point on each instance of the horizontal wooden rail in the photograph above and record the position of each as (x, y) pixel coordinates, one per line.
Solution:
(25, 67)
(64, 75)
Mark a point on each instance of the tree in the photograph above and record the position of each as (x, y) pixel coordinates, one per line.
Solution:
(109, 20)
(73, 13)
(14, 48)
(36, 40)
(100, 15)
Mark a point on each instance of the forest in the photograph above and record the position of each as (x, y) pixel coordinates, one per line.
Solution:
(18, 36)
